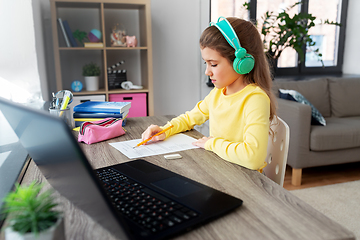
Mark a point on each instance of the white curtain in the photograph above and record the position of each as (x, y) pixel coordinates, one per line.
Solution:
(19, 75)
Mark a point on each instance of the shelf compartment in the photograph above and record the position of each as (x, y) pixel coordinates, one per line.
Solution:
(136, 69)
(80, 16)
(72, 63)
(129, 18)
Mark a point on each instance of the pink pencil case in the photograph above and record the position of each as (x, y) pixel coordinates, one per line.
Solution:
(97, 131)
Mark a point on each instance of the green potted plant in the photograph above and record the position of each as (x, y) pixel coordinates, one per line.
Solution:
(280, 31)
(80, 36)
(30, 214)
(91, 73)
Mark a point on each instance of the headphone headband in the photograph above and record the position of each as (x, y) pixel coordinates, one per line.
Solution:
(228, 32)
(243, 62)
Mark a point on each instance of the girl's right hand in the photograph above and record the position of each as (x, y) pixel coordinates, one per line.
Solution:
(151, 131)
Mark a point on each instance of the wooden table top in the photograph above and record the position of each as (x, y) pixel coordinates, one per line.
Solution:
(268, 212)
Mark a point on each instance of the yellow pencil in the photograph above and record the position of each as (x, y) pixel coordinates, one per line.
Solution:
(145, 141)
(64, 105)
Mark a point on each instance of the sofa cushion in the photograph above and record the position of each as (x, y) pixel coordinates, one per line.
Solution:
(315, 91)
(344, 97)
(339, 133)
(316, 117)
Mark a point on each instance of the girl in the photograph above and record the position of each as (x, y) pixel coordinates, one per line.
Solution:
(241, 106)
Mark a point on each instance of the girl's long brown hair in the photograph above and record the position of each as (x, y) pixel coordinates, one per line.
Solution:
(250, 40)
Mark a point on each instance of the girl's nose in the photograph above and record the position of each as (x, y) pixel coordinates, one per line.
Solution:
(207, 72)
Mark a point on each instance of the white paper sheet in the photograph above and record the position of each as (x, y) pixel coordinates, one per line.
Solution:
(175, 143)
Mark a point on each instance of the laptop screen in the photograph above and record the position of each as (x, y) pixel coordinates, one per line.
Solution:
(13, 157)
(54, 149)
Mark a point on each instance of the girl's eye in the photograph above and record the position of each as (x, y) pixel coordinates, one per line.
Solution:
(212, 65)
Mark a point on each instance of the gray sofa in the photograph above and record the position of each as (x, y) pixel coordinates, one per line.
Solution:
(338, 100)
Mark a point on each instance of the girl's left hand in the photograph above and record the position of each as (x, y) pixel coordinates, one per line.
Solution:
(201, 142)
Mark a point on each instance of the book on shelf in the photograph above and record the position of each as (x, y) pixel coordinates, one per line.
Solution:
(70, 34)
(93, 44)
(64, 33)
(102, 107)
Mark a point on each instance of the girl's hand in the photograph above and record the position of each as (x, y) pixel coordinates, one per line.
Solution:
(151, 131)
(201, 142)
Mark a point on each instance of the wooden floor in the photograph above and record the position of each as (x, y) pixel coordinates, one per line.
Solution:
(320, 176)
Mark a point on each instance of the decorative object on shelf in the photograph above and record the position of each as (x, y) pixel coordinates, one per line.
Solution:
(92, 83)
(129, 86)
(76, 86)
(116, 76)
(131, 41)
(94, 36)
(116, 65)
(280, 31)
(91, 73)
(31, 214)
(118, 37)
(80, 35)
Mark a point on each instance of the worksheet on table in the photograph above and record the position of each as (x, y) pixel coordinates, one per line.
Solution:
(175, 143)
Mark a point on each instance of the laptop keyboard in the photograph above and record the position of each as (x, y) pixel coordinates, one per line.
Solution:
(141, 205)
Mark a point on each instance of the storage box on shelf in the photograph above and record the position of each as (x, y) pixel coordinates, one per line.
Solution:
(138, 103)
(105, 15)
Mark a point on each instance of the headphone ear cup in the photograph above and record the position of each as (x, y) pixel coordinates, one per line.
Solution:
(236, 64)
(240, 53)
(245, 65)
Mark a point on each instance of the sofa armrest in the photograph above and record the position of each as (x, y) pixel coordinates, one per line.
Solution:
(298, 117)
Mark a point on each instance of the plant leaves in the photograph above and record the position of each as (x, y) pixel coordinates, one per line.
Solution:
(29, 210)
(280, 31)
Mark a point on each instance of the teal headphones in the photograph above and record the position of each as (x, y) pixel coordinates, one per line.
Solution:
(243, 62)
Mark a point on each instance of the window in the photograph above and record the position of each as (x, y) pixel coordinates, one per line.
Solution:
(326, 36)
(311, 59)
(329, 38)
(228, 8)
(19, 82)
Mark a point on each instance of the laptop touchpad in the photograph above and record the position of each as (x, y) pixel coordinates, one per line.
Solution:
(176, 186)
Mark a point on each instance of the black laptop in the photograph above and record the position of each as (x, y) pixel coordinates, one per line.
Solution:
(133, 200)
